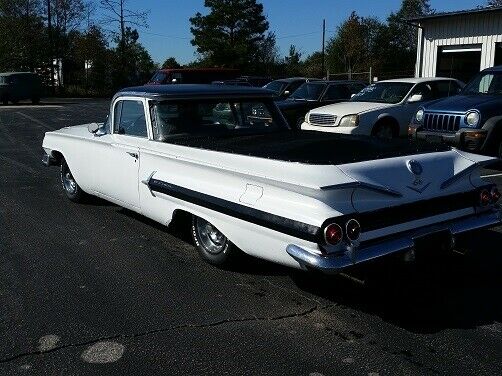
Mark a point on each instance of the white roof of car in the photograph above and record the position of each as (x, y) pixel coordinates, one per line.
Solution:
(417, 80)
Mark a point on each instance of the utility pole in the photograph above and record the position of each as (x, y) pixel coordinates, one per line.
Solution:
(51, 55)
(323, 40)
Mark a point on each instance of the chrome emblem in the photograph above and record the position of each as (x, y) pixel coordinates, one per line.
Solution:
(415, 167)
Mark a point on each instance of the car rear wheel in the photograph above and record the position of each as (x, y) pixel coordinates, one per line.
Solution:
(384, 131)
(70, 186)
(212, 245)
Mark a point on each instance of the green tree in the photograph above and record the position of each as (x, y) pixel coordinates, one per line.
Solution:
(312, 66)
(92, 61)
(23, 41)
(292, 62)
(138, 66)
(494, 3)
(400, 46)
(171, 63)
(347, 50)
(231, 34)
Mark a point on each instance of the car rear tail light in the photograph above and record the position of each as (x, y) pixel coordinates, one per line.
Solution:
(495, 195)
(333, 234)
(353, 229)
(485, 198)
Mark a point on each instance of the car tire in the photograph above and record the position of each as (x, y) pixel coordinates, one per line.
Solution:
(384, 131)
(70, 186)
(212, 245)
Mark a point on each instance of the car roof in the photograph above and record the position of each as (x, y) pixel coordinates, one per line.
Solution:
(497, 68)
(193, 90)
(330, 82)
(418, 80)
(292, 79)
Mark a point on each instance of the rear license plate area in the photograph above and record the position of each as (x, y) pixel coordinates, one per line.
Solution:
(434, 243)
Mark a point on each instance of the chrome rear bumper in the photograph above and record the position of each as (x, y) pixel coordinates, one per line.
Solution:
(401, 242)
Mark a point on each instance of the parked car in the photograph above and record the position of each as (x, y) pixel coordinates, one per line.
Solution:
(17, 86)
(236, 82)
(192, 75)
(315, 94)
(248, 184)
(471, 120)
(383, 109)
(284, 87)
(256, 81)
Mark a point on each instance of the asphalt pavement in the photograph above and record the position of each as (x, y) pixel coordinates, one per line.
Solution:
(94, 289)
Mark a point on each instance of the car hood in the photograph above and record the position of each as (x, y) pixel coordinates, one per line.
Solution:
(76, 130)
(349, 108)
(463, 103)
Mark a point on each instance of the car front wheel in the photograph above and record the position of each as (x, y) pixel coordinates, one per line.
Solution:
(70, 186)
(384, 131)
(212, 245)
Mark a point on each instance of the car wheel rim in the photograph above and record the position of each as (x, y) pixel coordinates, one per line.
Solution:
(69, 182)
(210, 237)
(384, 132)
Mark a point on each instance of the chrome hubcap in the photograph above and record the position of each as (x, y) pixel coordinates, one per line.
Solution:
(69, 182)
(210, 237)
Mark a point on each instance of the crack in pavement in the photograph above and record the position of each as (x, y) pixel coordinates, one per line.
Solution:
(176, 327)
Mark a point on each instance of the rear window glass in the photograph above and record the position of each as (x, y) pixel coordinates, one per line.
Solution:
(212, 117)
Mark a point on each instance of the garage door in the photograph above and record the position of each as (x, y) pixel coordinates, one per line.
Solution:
(460, 62)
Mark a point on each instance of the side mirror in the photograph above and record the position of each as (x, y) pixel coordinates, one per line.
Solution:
(415, 98)
(287, 92)
(93, 127)
(352, 96)
(174, 80)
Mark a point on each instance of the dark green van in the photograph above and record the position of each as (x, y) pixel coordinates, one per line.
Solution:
(16, 86)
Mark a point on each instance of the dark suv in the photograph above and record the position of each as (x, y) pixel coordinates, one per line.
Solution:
(16, 86)
(471, 121)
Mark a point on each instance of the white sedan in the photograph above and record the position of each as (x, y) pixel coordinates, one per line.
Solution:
(383, 109)
(224, 158)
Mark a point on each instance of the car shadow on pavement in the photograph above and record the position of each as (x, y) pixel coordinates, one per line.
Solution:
(461, 291)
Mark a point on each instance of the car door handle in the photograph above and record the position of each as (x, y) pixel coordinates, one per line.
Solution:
(134, 155)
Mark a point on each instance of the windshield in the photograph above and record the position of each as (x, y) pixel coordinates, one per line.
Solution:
(485, 83)
(309, 91)
(383, 92)
(276, 86)
(212, 117)
(158, 77)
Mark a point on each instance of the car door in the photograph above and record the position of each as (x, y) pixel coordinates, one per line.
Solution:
(119, 167)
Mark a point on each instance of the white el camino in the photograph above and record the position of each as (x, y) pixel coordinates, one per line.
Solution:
(383, 109)
(249, 184)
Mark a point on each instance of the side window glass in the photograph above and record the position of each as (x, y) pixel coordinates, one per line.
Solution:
(131, 120)
(445, 89)
(424, 90)
(336, 92)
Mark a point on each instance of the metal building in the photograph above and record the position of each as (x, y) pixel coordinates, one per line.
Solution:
(459, 44)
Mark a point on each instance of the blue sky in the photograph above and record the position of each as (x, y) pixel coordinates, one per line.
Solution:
(293, 21)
